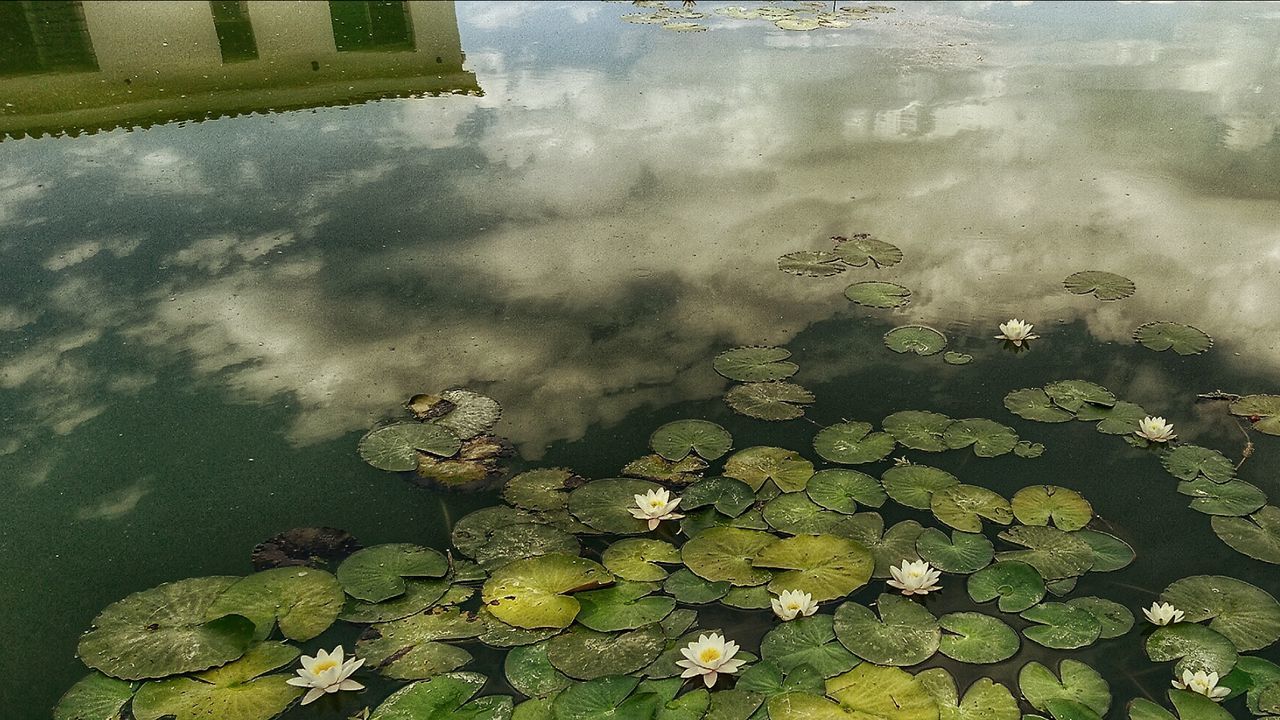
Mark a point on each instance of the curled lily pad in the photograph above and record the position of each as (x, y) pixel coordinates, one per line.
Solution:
(241, 690)
(1061, 626)
(918, 429)
(534, 593)
(1025, 449)
(807, 642)
(918, 339)
(1079, 682)
(444, 698)
(410, 648)
(675, 440)
(1110, 553)
(472, 413)
(977, 639)
(529, 671)
(726, 554)
(1258, 536)
(825, 566)
(95, 697)
(1233, 498)
(769, 400)
(304, 546)
(378, 573)
(843, 490)
(1034, 404)
(753, 364)
(904, 634)
(1182, 339)
(542, 489)
(660, 469)
(605, 504)
(796, 514)
(984, 700)
(1042, 504)
(303, 601)
(585, 654)
(962, 553)
(1246, 615)
(914, 485)
(853, 443)
(888, 547)
(952, 357)
(1187, 462)
(165, 631)
(861, 248)
(811, 263)
(395, 447)
(623, 606)
(1119, 419)
(1017, 585)
(1103, 285)
(1073, 395)
(690, 589)
(1116, 619)
(756, 465)
(963, 507)
(1053, 553)
(1195, 647)
(637, 559)
(1262, 410)
(878, 294)
(988, 437)
(729, 496)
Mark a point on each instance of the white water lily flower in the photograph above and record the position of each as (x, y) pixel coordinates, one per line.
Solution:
(1162, 614)
(1016, 332)
(1204, 683)
(326, 673)
(915, 578)
(655, 506)
(1155, 429)
(709, 656)
(794, 603)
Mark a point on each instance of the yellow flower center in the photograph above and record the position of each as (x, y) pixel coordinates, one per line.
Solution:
(322, 666)
(793, 605)
(655, 504)
(709, 655)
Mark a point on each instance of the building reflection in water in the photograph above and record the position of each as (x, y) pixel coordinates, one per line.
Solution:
(70, 67)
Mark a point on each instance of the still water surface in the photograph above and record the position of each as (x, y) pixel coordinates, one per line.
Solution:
(573, 214)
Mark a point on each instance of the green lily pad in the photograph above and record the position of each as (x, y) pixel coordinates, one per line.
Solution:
(1119, 419)
(606, 698)
(861, 248)
(878, 294)
(755, 465)
(952, 357)
(904, 634)
(530, 672)
(978, 639)
(795, 514)
(1017, 585)
(623, 606)
(872, 691)
(1035, 404)
(811, 263)
(1245, 614)
(542, 489)
(1062, 586)
(496, 633)
(472, 414)
(964, 506)
(1190, 706)
(378, 573)
(1025, 449)
(807, 642)
(660, 469)
(914, 485)
(767, 678)
(753, 364)
(1259, 675)
(1195, 647)
(1233, 498)
(988, 437)
(1188, 462)
(1053, 553)
(675, 440)
(95, 697)
(769, 400)
(1116, 619)
(303, 601)
(165, 631)
(1073, 395)
(888, 547)
(1110, 553)
(1182, 339)
(852, 443)
(444, 698)
(1258, 536)
(729, 496)
(984, 700)
(690, 589)
(1040, 504)
(918, 429)
(521, 540)
(1265, 408)
(747, 598)
(606, 504)
(637, 559)
(1061, 626)
(918, 339)
(725, 554)
(418, 596)
(1103, 285)
(843, 490)
(1079, 683)
(409, 648)
(962, 553)
(473, 531)
(533, 593)
(824, 566)
(395, 447)
(240, 690)
(585, 654)
(734, 704)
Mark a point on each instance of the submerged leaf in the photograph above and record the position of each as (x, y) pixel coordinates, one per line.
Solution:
(304, 546)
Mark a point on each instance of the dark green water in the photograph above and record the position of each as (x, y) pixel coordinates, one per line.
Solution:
(199, 319)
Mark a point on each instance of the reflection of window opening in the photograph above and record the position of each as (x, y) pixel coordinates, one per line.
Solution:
(378, 25)
(44, 36)
(235, 30)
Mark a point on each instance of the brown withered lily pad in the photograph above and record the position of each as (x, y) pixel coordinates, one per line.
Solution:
(316, 547)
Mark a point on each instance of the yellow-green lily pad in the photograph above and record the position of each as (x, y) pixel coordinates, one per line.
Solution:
(240, 690)
(825, 566)
(535, 592)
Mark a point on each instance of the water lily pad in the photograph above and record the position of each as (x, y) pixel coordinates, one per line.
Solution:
(747, 598)
(444, 698)
(962, 553)
(919, 429)
(304, 546)
(378, 573)
(684, 27)
(637, 559)
(1053, 553)
(843, 490)
(755, 465)
(769, 400)
(542, 489)
(530, 672)
(1103, 285)
(918, 339)
(988, 437)
(165, 631)
(876, 294)
(963, 507)
(533, 593)
(1116, 619)
(409, 648)
(1258, 536)
(96, 697)
(623, 606)
(1195, 647)
(888, 547)
(852, 443)
(1062, 586)
(1017, 585)
(864, 693)
(675, 440)
(729, 496)
(1042, 504)
(795, 514)
(690, 589)
(395, 447)
(1079, 683)
(475, 530)
(977, 639)
(1182, 339)
(660, 469)
(811, 263)
(767, 679)
(914, 485)
(1119, 419)
(1034, 404)
(1025, 449)
(606, 504)
(1110, 553)
(1187, 462)
(904, 634)
(472, 414)
(861, 248)
(984, 700)
(1262, 410)
(496, 633)
(952, 357)
(1246, 615)
(585, 654)
(753, 364)
(797, 23)
(1073, 395)
(807, 642)
(726, 553)
(241, 690)
(1190, 706)
(1233, 498)
(303, 601)
(418, 596)
(825, 566)
(606, 698)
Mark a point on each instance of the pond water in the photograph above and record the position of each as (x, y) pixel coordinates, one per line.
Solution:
(234, 243)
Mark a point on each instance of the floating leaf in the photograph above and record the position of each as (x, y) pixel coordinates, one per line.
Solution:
(1025, 449)
(395, 447)
(1190, 706)
(304, 601)
(474, 531)
(377, 573)
(409, 648)
(914, 485)
(496, 633)
(690, 589)
(542, 489)
(1034, 404)
(95, 697)
(878, 294)
(532, 593)
(747, 598)
(811, 263)
(1110, 553)
(988, 437)
(1053, 553)
(962, 553)
(769, 400)
(852, 443)
(726, 554)
(1040, 504)
(1119, 419)
(472, 414)
(984, 700)
(1263, 410)
(606, 504)
(165, 631)
(1017, 585)
(730, 496)
(1195, 647)
(1103, 285)
(824, 566)
(675, 440)
(1182, 339)
(1079, 683)
(807, 642)
(889, 548)
(752, 364)
(1258, 536)
(623, 606)
(918, 429)
(843, 490)
(861, 248)
(605, 698)
(796, 514)
(1233, 498)
(585, 654)
(881, 692)
(241, 690)
(755, 465)
(918, 339)
(1116, 619)
(444, 698)
(1062, 586)
(963, 507)
(767, 679)
(418, 596)
(1187, 462)
(304, 546)
(978, 639)
(637, 559)
(904, 634)
(1073, 395)
(1246, 615)
(530, 672)
(660, 469)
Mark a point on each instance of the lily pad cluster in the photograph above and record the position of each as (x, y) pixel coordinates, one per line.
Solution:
(765, 393)
(801, 16)
(856, 442)
(858, 250)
